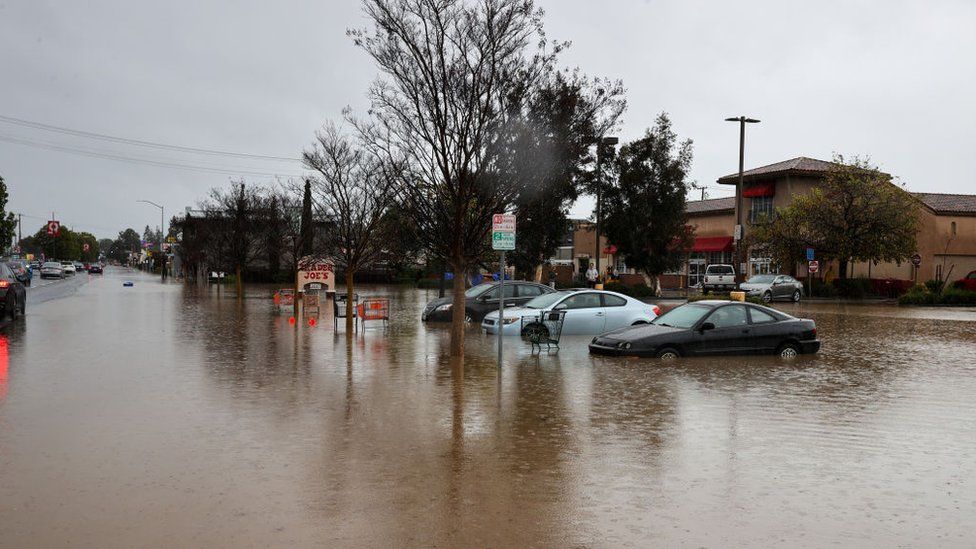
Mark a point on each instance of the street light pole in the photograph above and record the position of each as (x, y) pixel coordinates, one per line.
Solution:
(600, 142)
(739, 232)
(162, 215)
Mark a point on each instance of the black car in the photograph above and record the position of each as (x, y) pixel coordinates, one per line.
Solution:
(483, 298)
(94, 268)
(708, 328)
(13, 295)
(22, 271)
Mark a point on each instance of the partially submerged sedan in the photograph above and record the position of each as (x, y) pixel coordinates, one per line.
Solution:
(588, 312)
(707, 328)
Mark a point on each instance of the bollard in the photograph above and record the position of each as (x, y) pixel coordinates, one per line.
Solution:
(737, 296)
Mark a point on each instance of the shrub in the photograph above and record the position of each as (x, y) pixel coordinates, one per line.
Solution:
(957, 296)
(723, 295)
(853, 288)
(934, 286)
(822, 289)
(918, 295)
(637, 290)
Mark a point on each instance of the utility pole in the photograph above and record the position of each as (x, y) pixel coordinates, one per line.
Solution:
(739, 232)
(162, 270)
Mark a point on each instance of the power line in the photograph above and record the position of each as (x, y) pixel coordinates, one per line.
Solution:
(140, 142)
(137, 160)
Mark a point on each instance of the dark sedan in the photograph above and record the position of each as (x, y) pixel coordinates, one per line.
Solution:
(706, 328)
(482, 299)
(95, 268)
(13, 295)
(22, 270)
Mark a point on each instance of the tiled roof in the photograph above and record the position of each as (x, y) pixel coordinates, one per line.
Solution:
(949, 203)
(798, 165)
(712, 205)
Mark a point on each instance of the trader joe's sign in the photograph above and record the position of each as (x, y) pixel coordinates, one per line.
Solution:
(316, 271)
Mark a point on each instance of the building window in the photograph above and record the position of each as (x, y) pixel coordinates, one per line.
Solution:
(761, 265)
(953, 228)
(760, 208)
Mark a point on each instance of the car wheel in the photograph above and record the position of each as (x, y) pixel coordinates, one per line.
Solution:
(668, 353)
(788, 350)
(796, 296)
(11, 308)
(535, 332)
(23, 306)
(767, 297)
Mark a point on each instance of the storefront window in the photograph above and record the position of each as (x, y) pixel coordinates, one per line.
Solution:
(762, 265)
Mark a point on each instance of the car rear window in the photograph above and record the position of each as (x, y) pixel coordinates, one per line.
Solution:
(719, 269)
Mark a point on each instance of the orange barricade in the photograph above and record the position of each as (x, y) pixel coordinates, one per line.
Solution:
(374, 309)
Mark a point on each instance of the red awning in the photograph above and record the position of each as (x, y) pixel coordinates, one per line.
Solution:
(712, 244)
(610, 250)
(759, 189)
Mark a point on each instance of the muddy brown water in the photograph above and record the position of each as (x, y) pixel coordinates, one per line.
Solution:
(161, 415)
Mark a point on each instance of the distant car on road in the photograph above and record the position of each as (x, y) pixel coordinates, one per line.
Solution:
(69, 267)
(80, 267)
(588, 312)
(52, 269)
(22, 270)
(706, 328)
(771, 286)
(36, 265)
(13, 295)
(94, 268)
(718, 277)
(483, 298)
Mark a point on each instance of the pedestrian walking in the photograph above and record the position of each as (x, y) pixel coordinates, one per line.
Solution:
(591, 275)
(552, 276)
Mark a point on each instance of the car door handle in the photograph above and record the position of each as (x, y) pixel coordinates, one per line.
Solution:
(509, 304)
(599, 314)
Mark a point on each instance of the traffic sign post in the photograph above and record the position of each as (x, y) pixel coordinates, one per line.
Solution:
(502, 240)
(809, 254)
(916, 263)
(812, 267)
(53, 229)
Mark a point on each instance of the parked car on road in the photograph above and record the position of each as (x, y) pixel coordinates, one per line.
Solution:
(13, 295)
(52, 269)
(718, 277)
(713, 328)
(483, 298)
(95, 268)
(69, 267)
(772, 286)
(968, 282)
(22, 270)
(588, 312)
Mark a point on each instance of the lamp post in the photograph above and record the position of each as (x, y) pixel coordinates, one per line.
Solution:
(600, 142)
(162, 268)
(739, 233)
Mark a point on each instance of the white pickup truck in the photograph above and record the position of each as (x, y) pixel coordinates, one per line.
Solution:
(718, 277)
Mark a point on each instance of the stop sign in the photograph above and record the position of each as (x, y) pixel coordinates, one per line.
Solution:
(814, 266)
(53, 228)
(85, 247)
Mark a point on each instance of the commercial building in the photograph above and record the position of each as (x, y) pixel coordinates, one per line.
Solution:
(946, 237)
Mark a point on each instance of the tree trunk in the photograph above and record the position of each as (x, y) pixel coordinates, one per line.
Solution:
(440, 287)
(538, 274)
(653, 282)
(842, 269)
(294, 294)
(457, 316)
(349, 304)
(240, 283)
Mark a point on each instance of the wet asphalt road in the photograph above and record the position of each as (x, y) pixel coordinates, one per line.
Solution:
(161, 415)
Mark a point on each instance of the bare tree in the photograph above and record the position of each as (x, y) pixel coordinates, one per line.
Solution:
(354, 189)
(453, 69)
(235, 217)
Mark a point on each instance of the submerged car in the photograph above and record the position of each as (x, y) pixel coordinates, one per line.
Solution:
(482, 299)
(588, 312)
(706, 328)
(771, 286)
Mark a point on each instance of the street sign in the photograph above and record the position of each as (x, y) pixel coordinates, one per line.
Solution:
(813, 266)
(737, 233)
(313, 270)
(503, 241)
(809, 254)
(503, 232)
(85, 247)
(53, 227)
(916, 260)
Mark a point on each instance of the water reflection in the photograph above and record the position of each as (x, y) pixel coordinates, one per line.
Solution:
(195, 404)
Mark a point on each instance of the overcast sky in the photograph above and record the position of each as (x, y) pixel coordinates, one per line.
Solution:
(891, 79)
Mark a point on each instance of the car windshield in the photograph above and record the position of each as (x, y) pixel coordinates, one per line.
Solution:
(475, 291)
(51, 264)
(684, 316)
(761, 279)
(545, 300)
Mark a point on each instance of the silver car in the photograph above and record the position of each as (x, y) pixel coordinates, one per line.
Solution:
(588, 312)
(771, 286)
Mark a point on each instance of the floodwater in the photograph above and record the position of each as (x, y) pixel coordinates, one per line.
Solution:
(162, 415)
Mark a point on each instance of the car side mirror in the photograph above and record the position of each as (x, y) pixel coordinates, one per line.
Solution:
(707, 326)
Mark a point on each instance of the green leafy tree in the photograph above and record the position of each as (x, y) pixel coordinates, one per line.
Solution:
(8, 222)
(856, 214)
(645, 210)
(549, 147)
